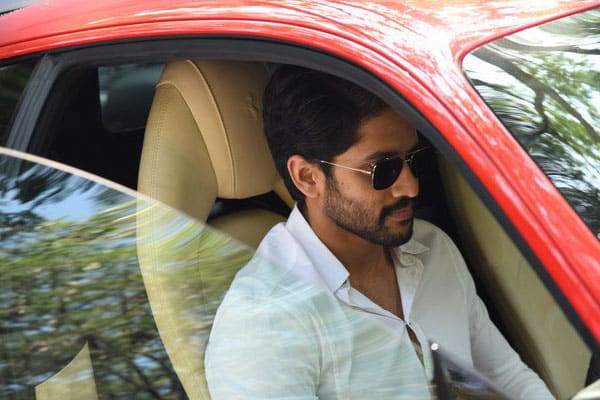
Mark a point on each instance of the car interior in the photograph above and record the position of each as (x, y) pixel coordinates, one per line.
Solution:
(202, 151)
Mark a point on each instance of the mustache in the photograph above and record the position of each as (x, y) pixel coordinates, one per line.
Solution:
(403, 202)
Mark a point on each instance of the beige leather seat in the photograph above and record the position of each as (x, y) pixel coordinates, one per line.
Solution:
(535, 324)
(204, 139)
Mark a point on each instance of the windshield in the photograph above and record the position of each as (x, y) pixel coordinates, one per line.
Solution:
(544, 85)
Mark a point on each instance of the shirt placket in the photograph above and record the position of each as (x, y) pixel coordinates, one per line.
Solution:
(409, 273)
(409, 270)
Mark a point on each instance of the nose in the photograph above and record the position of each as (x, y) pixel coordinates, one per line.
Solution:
(406, 184)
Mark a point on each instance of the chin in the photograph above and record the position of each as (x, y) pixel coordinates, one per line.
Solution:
(396, 239)
(400, 235)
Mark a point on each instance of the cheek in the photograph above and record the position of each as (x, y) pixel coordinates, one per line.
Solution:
(358, 190)
(356, 186)
(360, 194)
(370, 202)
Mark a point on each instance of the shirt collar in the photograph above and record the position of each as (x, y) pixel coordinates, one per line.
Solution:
(331, 270)
(413, 247)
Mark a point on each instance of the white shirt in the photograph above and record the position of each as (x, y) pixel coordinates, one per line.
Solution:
(292, 327)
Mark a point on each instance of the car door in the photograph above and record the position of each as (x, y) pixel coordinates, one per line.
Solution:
(62, 116)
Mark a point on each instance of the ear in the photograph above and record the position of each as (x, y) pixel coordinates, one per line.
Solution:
(307, 176)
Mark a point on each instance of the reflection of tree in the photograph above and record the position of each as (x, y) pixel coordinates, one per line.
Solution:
(510, 44)
(539, 87)
(34, 184)
(547, 96)
(76, 283)
(65, 283)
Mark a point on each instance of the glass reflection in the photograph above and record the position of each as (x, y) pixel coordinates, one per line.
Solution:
(71, 279)
(104, 295)
(544, 84)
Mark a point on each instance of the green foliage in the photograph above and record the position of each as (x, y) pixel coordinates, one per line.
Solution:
(70, 281)
(547, 95)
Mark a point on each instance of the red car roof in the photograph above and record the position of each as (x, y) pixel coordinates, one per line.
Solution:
(399, 26)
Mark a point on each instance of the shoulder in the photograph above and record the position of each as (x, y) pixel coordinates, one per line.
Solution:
(278, 276)
(279, 245)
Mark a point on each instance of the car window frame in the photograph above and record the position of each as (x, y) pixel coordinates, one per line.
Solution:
(42, 92)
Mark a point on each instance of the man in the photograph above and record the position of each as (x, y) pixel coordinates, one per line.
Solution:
(340, 301)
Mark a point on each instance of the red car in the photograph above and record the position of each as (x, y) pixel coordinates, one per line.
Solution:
(106, 293)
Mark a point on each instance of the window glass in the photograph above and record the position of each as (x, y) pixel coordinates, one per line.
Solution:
(13, 79)
(103, 295)
(106, 295)
(544, 85)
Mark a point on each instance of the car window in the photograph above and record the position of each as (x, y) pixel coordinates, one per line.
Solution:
(85, 310)
(544, 85)
(105, 294)
(13, 79)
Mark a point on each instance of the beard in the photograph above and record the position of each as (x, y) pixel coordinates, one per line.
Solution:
(362, 220)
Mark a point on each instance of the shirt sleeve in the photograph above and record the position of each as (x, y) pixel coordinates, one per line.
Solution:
(492, 355)
(260, 349)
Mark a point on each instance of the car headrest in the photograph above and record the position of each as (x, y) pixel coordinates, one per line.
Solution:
(204, 138)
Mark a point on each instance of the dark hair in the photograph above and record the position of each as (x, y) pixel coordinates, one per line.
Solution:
(315, 115)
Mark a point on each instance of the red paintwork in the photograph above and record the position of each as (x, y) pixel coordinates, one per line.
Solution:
(416, 47)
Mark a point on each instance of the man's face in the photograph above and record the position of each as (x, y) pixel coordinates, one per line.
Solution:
(383, 217)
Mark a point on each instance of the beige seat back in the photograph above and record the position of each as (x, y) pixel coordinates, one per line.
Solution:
(204, 139)
(535, 324)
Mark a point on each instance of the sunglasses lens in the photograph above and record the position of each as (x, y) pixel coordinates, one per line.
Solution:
(386, 172)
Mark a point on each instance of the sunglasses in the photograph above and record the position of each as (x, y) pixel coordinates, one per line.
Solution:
(384, 172)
